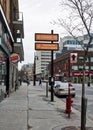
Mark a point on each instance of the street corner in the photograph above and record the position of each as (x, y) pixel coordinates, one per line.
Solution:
(71, 128)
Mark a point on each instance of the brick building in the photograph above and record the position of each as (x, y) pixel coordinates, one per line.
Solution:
(61, 67)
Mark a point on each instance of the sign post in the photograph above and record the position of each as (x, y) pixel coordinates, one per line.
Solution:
(52, 73)
(50, 47)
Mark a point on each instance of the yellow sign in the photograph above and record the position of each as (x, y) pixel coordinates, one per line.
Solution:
(14, 58)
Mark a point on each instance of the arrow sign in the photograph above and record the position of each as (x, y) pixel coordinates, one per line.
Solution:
(73, 58)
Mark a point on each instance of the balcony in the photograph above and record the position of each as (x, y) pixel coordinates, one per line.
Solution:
(18, 23)
(18, 48)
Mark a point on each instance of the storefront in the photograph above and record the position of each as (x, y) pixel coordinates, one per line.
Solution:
(5, 65)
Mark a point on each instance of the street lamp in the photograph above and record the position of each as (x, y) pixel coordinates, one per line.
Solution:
(34, 73)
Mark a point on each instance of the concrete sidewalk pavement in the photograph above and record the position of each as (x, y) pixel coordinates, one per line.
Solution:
(13, 111)
(47, 115)
(29, 109)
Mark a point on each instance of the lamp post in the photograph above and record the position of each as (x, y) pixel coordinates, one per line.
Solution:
(34, 73)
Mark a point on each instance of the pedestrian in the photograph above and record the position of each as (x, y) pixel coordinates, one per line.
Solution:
(20, 80)
(28, 81)
(16, 85)
(40, 81)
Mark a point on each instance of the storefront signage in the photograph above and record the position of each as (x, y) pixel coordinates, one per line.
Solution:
(81, 73)
(7, 42)
(14, 58)
(73, 58)
(1, 57)
(46, 37)
(0, 28)
(47, 46)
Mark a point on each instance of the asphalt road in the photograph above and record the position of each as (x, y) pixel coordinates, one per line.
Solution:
(88, 95)
(77, 100)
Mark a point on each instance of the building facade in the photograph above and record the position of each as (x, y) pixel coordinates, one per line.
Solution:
(9, 32)
(62, 67)
(42, 61)
(70, 45)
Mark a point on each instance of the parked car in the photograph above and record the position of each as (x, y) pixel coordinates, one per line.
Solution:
(61, 89)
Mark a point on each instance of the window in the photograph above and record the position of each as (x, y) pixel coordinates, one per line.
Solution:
(81, 58)
(91, 68)
(74, 67)
(80, 67)
(86, 67)
(91, 59)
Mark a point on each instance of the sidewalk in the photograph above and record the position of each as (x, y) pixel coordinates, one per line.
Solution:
(29, 109)
(13, 111)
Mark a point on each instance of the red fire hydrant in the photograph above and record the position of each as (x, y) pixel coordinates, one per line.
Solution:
(69, 102)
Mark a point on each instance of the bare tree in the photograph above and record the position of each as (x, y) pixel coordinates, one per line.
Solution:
(78, 21)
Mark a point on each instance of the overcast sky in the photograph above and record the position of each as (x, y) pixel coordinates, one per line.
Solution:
(38, 15)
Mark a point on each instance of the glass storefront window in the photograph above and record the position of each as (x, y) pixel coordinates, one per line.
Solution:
(2, 68)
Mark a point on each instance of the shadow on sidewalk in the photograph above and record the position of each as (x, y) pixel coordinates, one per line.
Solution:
(72, 128)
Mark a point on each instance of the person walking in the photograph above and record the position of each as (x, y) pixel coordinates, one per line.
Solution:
(40, 81)
(28, 82)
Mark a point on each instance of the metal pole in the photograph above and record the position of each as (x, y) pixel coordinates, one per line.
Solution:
(52, 74)
(46, 89)
(69, 97)
(89, 74)
(34, 82)
(7, 77)
(69, 78)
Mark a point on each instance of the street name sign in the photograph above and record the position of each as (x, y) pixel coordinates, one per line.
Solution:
(46, 37)
(47, 46)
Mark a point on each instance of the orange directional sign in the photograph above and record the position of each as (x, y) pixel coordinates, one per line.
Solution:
(46, 37)
(47, 46)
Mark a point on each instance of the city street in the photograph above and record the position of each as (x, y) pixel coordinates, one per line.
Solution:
(29, 109)
(89, 96)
